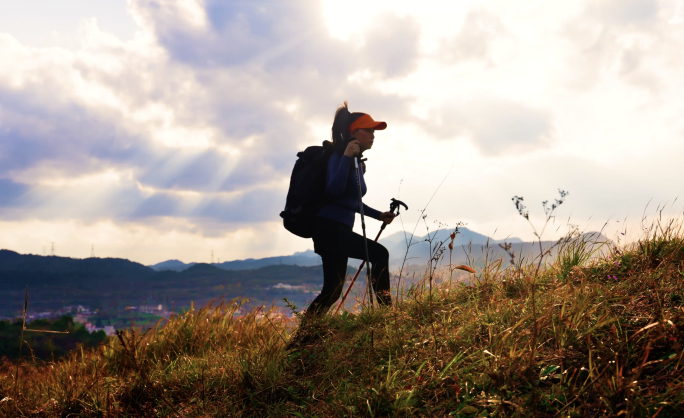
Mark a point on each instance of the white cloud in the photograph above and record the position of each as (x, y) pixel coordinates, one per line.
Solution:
(195, 119)
(495, 125)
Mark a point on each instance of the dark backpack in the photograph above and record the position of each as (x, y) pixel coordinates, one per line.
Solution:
(306, 195)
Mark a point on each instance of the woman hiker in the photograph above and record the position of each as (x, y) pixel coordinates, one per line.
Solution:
(334, 241)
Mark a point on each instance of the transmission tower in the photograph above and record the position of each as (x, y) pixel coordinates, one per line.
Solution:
(52, 250)
(92, 251)
(212, 256)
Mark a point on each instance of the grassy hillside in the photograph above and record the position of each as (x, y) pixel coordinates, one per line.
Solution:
(596, 333)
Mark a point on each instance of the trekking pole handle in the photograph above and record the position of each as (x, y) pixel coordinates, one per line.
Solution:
(395, 206)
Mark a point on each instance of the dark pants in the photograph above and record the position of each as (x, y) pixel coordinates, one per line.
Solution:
(335, 242)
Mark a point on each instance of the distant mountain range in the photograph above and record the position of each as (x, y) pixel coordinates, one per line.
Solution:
(469, 248)
(304, 258)
(112, 283)
(467, 243)
(395, 243)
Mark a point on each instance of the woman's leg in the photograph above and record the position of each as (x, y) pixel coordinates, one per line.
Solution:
(334, 273)
(329, 242)
(379, 259)
(335, 243)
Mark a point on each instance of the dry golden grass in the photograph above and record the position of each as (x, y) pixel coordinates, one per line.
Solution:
(591, 334)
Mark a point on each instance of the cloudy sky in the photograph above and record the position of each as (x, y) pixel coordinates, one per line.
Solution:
(158, 129)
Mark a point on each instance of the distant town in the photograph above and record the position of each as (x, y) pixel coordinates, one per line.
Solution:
(95, 320)
(142, 316)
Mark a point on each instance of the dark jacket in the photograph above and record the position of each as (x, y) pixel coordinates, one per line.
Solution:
(343, 192)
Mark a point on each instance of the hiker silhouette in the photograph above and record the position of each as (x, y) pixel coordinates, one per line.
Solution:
(325, 193)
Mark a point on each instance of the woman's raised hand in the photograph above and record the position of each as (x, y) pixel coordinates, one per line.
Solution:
(352, 148)
(387, 217)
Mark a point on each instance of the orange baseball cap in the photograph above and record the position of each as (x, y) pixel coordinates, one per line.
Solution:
(365, 121)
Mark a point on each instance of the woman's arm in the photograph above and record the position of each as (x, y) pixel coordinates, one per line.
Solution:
(338, 174)
(369, 211)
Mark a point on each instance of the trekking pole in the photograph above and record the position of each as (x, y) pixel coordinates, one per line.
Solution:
(394, 206)
(363, 227)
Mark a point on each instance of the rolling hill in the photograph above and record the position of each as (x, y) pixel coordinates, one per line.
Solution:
(111, 284)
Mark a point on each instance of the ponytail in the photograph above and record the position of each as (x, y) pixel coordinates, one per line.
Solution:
(340, 134)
